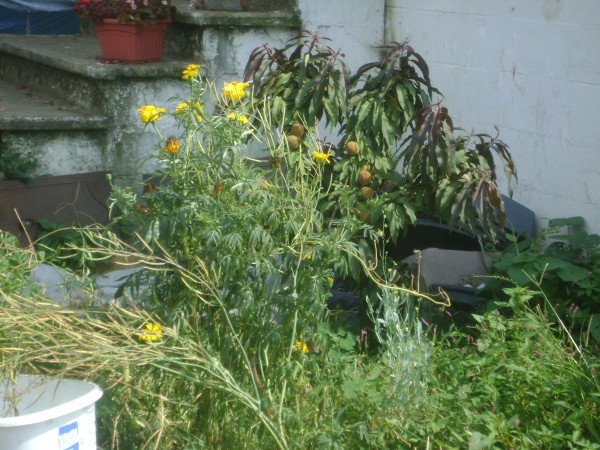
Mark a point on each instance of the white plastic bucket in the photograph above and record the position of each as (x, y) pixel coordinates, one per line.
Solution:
(41, 413)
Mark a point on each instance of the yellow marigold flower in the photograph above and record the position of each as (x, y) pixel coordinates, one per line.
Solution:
(183, 108)
(234, 91)
(172, 145)
(301, 346)
(321, 157)
(150, 332)
(242, 120)
(190, 71)
(150, 113)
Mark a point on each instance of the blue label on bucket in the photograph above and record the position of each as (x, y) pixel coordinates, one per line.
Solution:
(68, 437)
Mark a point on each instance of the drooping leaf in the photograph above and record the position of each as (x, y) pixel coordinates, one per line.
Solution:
(576, 221)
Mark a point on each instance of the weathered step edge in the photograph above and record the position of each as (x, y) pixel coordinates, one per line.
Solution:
(237, 19)
(20, 110)
(81, 55)
(47, 123)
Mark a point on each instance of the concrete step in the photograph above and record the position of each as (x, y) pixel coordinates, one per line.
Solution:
(52, 152)
(21, 110)
(79, 112)
(57, 138)
(69, 69)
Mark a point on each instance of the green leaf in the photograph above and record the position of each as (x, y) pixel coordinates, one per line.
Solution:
(364, 110)
(571, 272)
(277, 109)
(282, 80)
(401, 95)
(446, 195)
(302, 96)
(594, 327)
(567, 222)
(518, 275)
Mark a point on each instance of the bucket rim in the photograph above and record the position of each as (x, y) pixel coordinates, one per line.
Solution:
(57, 411)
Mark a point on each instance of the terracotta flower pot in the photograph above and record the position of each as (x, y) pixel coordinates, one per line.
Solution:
(131, 42)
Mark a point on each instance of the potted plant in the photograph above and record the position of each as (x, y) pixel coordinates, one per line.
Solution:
(129, 31)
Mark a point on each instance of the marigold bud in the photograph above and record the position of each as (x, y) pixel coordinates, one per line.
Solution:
(172, 145)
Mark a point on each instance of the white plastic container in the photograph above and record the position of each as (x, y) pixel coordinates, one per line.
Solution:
(40, 413)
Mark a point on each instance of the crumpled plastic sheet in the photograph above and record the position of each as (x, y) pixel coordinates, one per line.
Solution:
(38, 5)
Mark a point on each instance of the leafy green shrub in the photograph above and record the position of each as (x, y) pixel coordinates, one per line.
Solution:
(241, 267)
(235, 346)
(173, 390)
(15, 264)
(565, 259)
(512, 382)
(16, 165)
(258, 231)
(68, 246)
(387, 121)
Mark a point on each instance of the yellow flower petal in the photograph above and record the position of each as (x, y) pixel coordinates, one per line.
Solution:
(150, 332)
(321, 157)
(190, 71)
(242, 120)
(301, 346)
(182, 108)
(150, 113)
(234, 91)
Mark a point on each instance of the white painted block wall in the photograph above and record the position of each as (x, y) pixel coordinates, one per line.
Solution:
(356, 27)
(530, 67)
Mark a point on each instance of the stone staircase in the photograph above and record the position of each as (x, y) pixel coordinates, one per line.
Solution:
(64, 107)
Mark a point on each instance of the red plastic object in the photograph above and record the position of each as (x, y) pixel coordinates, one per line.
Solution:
(130, 42)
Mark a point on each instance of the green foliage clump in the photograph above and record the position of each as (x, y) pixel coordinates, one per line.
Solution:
(15, 264)
(565, 260)
(68, 246)
(512, 381)
(232, 344)
(16, 165)
(245, 266)
(418, 163)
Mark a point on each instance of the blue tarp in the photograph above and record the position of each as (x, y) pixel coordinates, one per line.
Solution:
(38, 17)
(37, 5)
